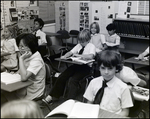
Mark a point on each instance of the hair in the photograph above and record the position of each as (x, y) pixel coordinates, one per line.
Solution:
(40, 21)
(97, 27)
(21, 109)
(110, 58)
(84, 35)
(29, 40)
(111, 26)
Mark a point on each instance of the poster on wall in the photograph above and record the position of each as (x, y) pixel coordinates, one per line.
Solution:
(62, 15)
(84, 15)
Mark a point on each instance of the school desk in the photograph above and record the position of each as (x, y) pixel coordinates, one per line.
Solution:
(15, 86)
(133, 61)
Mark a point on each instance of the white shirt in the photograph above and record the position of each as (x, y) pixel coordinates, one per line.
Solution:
(42, 36)
(116, 95)
(97, 40)
(147, 50)
(113, 40)
(89, 49)
(35, 65)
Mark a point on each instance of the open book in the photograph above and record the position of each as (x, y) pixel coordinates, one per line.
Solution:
(78, 59)
(140, 93)
(74, 109)
(8, 78)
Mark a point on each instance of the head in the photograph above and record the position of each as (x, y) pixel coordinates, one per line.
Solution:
(7, 33)
(94, 28)
(84, 37)
(38, 23)
(21, 109)
(109, 63)
(27, 42)
(111, 28)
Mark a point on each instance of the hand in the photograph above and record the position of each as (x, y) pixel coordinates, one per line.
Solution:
(26, 55)
(63, 57)
(140, 57)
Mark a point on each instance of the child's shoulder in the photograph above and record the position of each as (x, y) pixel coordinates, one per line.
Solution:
(120, 83)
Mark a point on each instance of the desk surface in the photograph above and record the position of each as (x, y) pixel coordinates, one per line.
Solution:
(68, 61)
(136, 61)
(15, 86)
(52, 34)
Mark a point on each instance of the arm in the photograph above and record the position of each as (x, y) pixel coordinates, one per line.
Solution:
(23, 71)
(124, 112)
(68, 54)
(142, 55)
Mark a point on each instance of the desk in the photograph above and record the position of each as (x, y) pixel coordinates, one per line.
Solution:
(50, 34)
(106, 114)
(133, 61)
(15, 86)
(68, 61)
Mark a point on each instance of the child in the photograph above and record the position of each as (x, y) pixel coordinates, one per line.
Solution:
(96, 38)
(143, 54)
(117, 97)
(38, 25)
(31, 67)
(112, 40)
(9, 51)
(74, 72)
(21, 109)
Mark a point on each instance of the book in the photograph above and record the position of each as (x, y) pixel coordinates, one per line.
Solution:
(140, 93)
(79, 59)
(8, 78)
(75, 109)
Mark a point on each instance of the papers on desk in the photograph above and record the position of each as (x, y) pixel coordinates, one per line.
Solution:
(78, 59)
(140, 93)
(75, 109)
(8, 78)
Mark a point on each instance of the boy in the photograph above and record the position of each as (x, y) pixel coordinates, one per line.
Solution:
(112, 40)
(38, 25)
(117, 97)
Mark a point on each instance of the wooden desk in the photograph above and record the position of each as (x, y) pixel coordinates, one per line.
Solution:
(106, 114)
(133, 61)
(15, 86)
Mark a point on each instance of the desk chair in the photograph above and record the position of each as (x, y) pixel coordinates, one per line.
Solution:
(74, 34)
(53, 48)
(48, 80)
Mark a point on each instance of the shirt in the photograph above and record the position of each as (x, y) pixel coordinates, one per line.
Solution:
(116, 95)
(42, 37)
(98, 40)
(113, 40)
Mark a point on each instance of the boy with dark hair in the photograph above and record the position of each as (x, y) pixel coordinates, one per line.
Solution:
(112, 41)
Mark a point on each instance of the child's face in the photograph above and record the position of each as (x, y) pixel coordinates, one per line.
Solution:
(7, 33)
(23, 48)
(36, 25)
(93, 29)
(107, 72)
(111, 32)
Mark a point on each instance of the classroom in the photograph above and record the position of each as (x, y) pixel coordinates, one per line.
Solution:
(80, 59)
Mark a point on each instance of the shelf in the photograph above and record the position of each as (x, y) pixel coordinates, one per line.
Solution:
(145, 38)
(132, 20)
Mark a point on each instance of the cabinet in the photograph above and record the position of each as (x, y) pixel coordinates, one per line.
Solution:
(134, 35)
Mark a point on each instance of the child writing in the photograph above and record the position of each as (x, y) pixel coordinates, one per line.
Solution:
(96, 38)
(117, 96)
(112, 41)
(21, 109)
(9, 50)
(31, 67)
(74, 73)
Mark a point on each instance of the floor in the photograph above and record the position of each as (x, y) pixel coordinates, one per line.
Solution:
(145, 104)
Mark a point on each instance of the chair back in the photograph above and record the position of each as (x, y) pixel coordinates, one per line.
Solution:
(74, 32)
(48, 74)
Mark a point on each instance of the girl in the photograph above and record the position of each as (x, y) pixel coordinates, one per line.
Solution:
(21, 109)
(9, 52)
(85, 50)
(31, 67)
(116, 97)
(96, 38)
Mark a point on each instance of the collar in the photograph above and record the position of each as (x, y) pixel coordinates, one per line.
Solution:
(111, 82)
(113, 35)
(94, 34)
